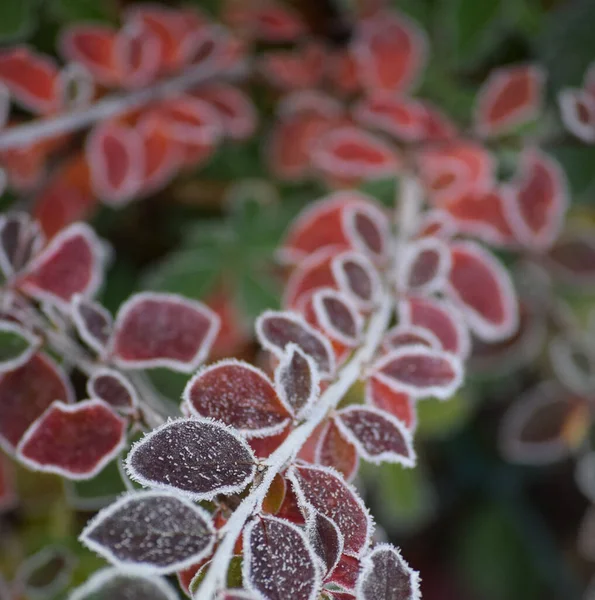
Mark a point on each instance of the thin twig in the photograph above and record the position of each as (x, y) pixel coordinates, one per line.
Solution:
(111, 106)
(291, 446)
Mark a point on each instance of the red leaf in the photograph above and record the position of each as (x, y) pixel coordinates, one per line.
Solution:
(26, 393)
(536, 213)
(33, 79)
(73, 440)
(275, 552)
(328, 224)
(93, 322)
(510, 97)
(191, 121)
(386, 576)
(236, 110)
(20, 240)
(542, 426)
(138, 55)
(72, 263)
(303, 118)
(324, 490)
(163, 330)
(265, 446)
(275, 330)
(114, 389)
(484, 215)
(423, 266)
(482, 288)
(350, 154)
(454, 169)
(129, 533)
(297, 381)
(357, 277)
(93, 47)
(313, 273)
(398, 404)
(346, 572)
(577, 110)
(195, 457)
(334, 450)
(299, 69)
(572, 258)
(409, 335)
(179, 32)
(402, 118)
(438, 127)
(420, 371)
(162, 156)
(326, 541)
(116, 158)
(377, 435)
(367, 229)
(439, 317)
(437, 223)
(66, 197)
(337, 316)
(267, 21)
(238, 395)
(390, 52)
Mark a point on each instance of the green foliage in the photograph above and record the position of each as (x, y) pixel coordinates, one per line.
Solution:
(17, 20)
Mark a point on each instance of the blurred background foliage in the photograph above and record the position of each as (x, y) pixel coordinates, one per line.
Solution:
(475, 526)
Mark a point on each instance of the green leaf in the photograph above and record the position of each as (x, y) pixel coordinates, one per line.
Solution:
(95, 493)
(234, 576)
(17, 20)
(256, 293)
(383, 190)
(475, 28)
(16, 345)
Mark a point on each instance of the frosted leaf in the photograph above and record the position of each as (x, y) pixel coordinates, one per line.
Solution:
(423, 266)
(441, 318)
(20, 240)
(275, 330)
(26, 393)
(17, 345)
(337, 316)
(511, 96)
(577, 110)
(420, 371)
(544, 425)
(357, 277)
(324, 490)
(409, 335)
(114, 388)
(334, 450)
(72, 263)
(481, 287)
(163, 330)
(93, 322)
(198, 457)
(297, 380)
(326, 541)
(573, 362)
(367, 228)
(117, 584)
(399, 404)
(377, 435)
(278, 561)
(151, 529)
(572, 258)
(73, 440)
(346, 572)
(386, 576)
(46, 573)
(239, 395)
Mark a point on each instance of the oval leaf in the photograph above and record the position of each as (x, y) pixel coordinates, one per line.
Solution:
(151, 529)
(163, 330)
(197, 457)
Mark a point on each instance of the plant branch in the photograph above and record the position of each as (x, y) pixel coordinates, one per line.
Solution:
(291, 446)
(111, 106)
